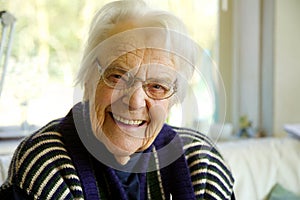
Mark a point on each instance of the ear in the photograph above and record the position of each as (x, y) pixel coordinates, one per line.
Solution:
(173, 100)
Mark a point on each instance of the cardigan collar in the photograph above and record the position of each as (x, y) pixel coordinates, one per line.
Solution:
(76, 125)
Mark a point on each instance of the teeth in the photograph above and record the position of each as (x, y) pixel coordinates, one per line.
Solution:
(126, 121)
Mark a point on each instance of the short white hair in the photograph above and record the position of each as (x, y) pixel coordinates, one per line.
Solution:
(141, 16)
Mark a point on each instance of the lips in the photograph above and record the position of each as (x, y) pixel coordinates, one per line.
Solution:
(125, 121)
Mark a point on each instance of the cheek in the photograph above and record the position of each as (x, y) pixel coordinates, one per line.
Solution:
(158, 114)
(98, 105)
(102, 96)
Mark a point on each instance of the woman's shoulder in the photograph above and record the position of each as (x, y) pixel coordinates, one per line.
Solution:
(42, 162)
(196, 141)
(36, 147)
(209, 172)
(199, 146)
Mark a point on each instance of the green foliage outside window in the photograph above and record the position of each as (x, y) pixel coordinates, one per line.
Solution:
(49, 38)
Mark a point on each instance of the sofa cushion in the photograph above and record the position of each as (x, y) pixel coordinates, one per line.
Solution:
(258, 164)
(278, 192)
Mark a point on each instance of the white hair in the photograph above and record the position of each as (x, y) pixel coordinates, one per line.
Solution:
(137, 13)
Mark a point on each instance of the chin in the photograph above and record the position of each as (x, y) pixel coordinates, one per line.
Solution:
(119, 147)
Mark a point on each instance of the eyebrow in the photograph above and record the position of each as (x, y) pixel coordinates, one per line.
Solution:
(166, 77)
(163, 74)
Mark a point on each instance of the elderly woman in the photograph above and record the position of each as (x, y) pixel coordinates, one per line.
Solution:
(115, 144)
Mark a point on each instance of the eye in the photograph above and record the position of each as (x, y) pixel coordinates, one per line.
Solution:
(116, 77)
(158, 89)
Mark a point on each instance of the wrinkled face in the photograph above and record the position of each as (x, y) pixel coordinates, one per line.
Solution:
(128, 120)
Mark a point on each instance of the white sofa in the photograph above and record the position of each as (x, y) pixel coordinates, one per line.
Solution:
(7, 147)
(258, 164)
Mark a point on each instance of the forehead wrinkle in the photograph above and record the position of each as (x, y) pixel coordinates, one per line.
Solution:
(156, 56)
(133, 60)
(128, 61)
(137, 56)
(160, 57)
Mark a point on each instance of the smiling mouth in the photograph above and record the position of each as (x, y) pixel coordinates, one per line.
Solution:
(129, 122)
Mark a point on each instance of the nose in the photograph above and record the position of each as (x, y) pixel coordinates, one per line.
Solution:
(135, 98)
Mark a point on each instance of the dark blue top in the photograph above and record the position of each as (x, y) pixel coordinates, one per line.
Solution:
(131, 184)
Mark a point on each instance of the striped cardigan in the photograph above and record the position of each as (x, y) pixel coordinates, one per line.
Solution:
(44, 167)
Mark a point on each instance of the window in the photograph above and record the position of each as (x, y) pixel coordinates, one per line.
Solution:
(201, 18)
(46, 55)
